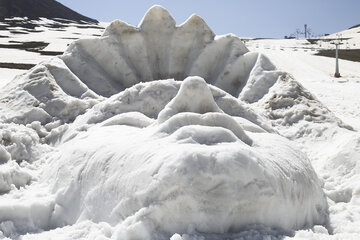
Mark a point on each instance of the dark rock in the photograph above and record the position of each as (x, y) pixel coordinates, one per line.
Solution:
(33, 9)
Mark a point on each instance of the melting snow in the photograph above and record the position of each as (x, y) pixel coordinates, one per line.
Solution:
(170, 132)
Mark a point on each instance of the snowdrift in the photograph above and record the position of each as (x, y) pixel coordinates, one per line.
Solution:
(154, 131)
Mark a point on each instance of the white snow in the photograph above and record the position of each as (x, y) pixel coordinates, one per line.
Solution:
(8, 74)
(172, 132)
(11, 175)
(54, 32)
(206, 172)
(351, 38)
(334, 152)
(316, 74)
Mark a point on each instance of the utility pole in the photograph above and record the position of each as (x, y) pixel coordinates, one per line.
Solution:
(337, 43)
(305, 30)
(337, 73)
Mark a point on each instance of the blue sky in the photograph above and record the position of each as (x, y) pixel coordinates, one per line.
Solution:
(245, 18)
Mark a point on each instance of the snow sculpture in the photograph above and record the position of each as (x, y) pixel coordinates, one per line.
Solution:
(153, 156)
(127, 55)
(91, 69)
(194, 166)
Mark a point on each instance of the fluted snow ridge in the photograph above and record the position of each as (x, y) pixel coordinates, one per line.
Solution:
(159, 49)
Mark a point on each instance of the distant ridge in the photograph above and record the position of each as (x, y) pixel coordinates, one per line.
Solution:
(358, 25)
(34, 9)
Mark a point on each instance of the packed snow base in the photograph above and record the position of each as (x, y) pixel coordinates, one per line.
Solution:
(95, 145)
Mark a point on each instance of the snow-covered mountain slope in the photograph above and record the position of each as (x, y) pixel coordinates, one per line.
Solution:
(26, 42)
(165, 132)
(351, 37)
(35, 9)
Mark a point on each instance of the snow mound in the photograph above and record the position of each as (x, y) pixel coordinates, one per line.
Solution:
(288, 103)
(196, 168)
(48, 92)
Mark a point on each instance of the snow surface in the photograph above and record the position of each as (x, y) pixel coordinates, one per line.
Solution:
(55, 32)
(316, 74)
(351, 37)
(334, 152)
(172, 132)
